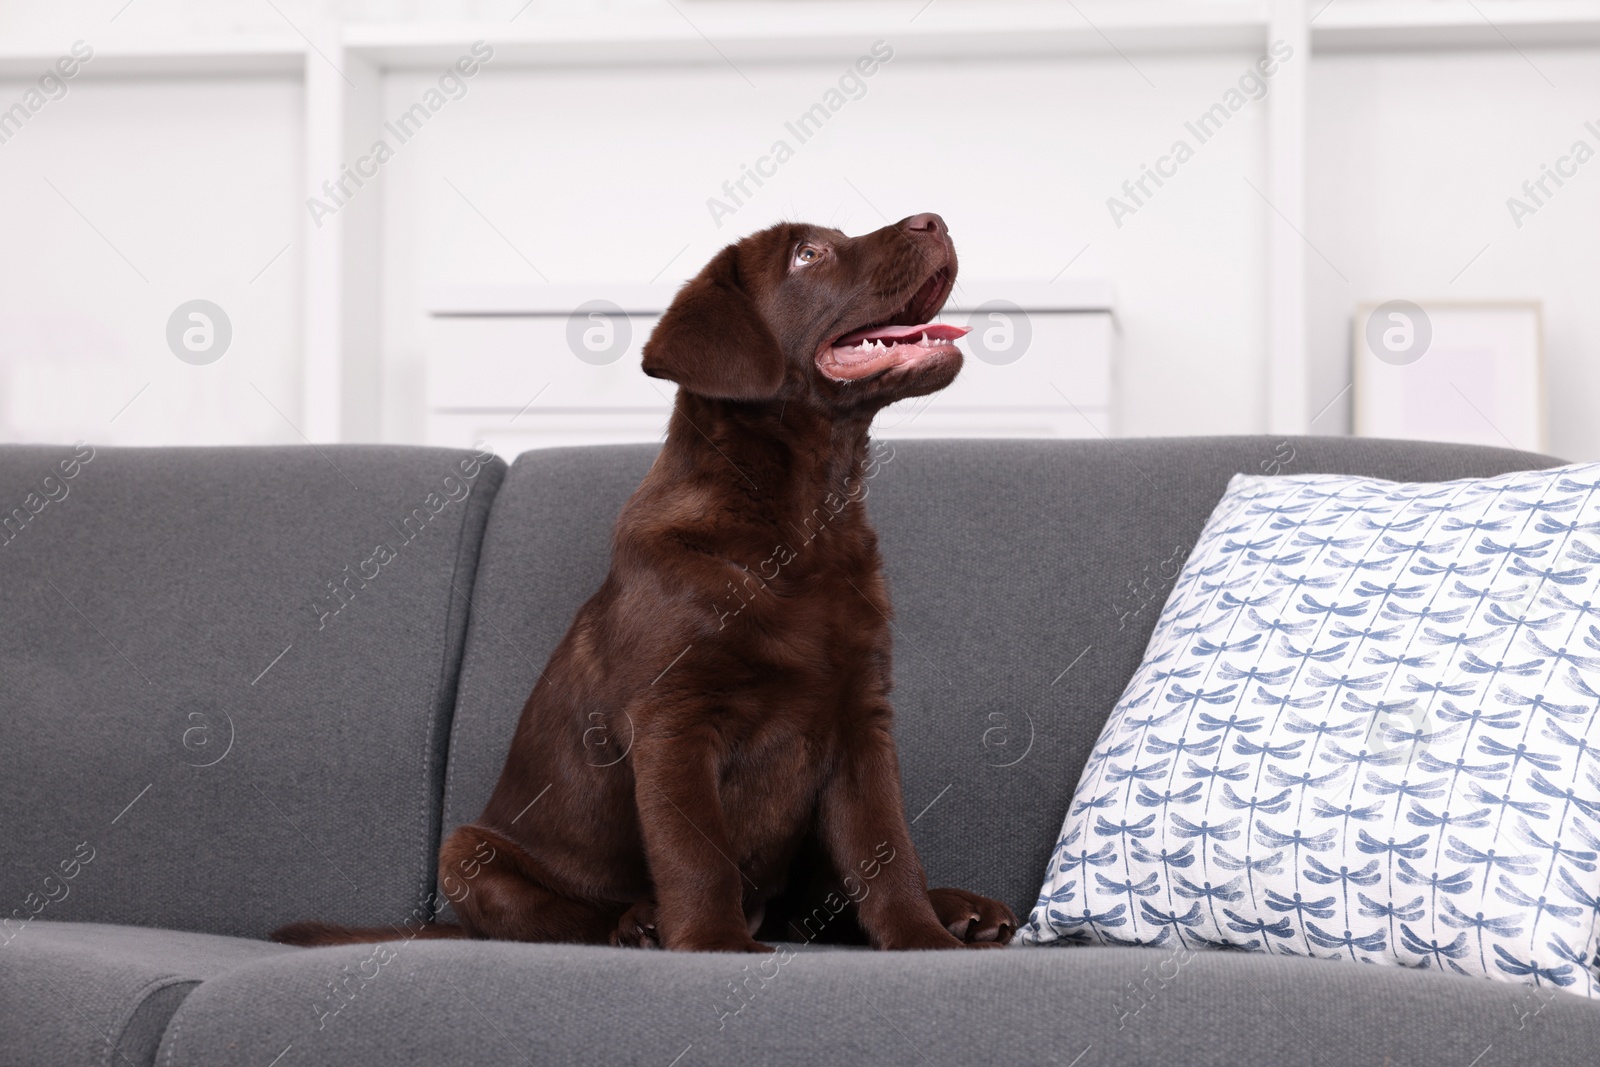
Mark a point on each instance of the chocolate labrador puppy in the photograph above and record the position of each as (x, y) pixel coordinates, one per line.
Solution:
(710, 773)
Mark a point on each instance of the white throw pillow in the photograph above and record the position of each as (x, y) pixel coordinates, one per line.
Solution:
(1364, 728)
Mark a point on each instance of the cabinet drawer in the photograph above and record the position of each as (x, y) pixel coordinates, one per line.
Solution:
(511, 366)
(501, 362)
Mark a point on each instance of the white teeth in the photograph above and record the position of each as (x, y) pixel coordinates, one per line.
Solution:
(870, 346)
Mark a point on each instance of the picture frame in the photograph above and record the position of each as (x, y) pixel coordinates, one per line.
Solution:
(1468, 372)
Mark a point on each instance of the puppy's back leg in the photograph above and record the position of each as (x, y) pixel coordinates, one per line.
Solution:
(497, 893)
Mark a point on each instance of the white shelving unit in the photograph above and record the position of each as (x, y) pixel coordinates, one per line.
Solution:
(342, 69)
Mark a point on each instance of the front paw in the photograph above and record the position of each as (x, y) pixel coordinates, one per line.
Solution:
(637, 927)
(976, 921)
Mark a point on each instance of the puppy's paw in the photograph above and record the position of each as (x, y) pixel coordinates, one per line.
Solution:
(976, 921)
(637, 927)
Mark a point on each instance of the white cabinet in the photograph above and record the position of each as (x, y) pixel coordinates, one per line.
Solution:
(525, 367)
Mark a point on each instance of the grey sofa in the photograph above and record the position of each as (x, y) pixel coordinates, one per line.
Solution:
(226, 707)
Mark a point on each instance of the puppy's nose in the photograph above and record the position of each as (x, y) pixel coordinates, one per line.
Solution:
(927, 222)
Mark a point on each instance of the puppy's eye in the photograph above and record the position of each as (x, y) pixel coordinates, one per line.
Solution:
(806, 254)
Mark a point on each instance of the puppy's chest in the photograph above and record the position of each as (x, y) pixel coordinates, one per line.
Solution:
(818, 595)
(809, 684)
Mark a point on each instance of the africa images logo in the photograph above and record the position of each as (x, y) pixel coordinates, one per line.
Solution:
(199, 332)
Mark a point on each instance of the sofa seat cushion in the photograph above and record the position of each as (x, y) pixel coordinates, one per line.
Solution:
(506, 1003)
(89, 993)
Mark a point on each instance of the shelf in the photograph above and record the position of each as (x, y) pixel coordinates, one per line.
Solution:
(488, 301)
(824, 29)
(791, 31)
(508, 300)
(962, 29)
(1398, 25)
(245, 56)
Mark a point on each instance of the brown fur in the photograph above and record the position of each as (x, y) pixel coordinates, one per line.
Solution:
(711, 744)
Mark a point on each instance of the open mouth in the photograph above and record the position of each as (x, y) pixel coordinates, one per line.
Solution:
(902, 340)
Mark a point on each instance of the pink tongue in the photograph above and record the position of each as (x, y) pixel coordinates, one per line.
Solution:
(936, 331)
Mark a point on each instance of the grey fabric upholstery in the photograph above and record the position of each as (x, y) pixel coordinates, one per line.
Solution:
(545, 551)
(496, 1003)
(1009, 562)
(83, 993)
(175, 701)
(235, 758)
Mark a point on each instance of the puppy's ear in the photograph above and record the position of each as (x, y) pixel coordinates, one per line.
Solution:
(713, 342)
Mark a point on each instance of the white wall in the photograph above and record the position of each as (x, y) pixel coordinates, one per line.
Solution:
(603, 175)
(124, 199)
(1412, 159)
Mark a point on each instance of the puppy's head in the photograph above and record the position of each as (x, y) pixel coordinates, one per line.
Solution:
(805, 311)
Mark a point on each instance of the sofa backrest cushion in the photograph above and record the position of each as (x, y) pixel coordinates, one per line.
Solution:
(545, 551)
(1025, 576)
(219, 688)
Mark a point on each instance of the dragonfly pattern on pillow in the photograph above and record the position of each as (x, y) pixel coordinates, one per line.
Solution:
(1364, 728)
